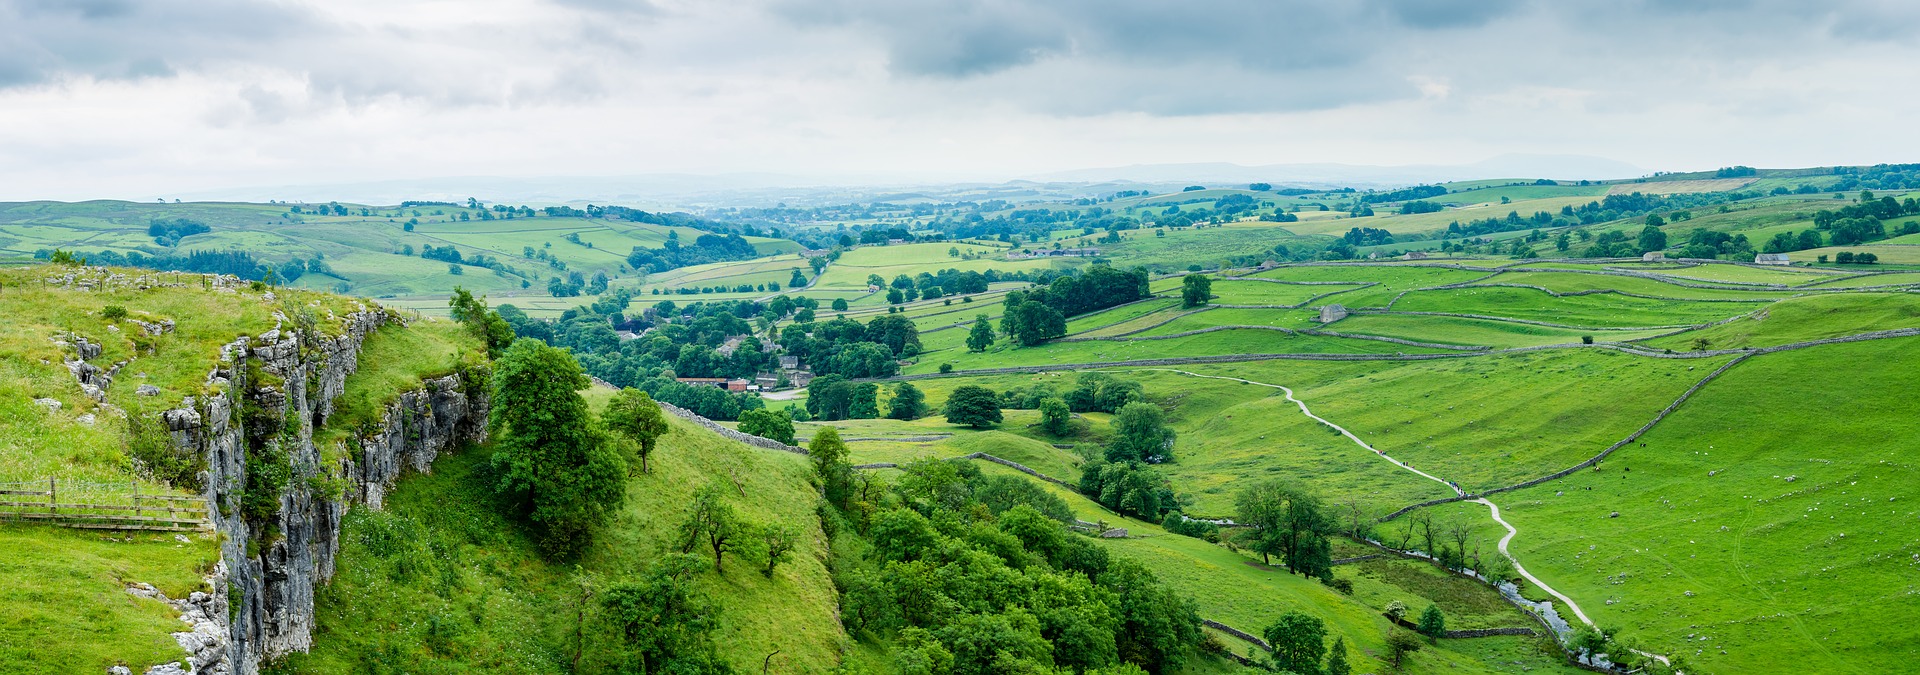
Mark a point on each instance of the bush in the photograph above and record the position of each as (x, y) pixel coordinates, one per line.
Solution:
(152, 451)
(113, 312)
(946, 368)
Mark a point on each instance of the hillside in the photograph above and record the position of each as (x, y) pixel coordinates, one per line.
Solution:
(1471, 424)
(1510, 373)
(136, 362)
(366, 250)
(441, 580)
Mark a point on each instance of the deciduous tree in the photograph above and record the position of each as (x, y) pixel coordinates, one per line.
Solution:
(1298, 640)
(1140, 435)
(553, 461)
(1195, 290)
(1054, 416)
(980, 337)
(907, 403)
(974, 406)
(769, 424)
(829, 457)
(634, 415)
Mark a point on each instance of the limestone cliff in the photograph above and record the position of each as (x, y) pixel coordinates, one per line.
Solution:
(273, 392)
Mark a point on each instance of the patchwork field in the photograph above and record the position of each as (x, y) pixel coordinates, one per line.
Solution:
(1751, 525)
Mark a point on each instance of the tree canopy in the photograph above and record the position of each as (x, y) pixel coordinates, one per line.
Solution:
(974, 406)
(554, 462)
(633, 415)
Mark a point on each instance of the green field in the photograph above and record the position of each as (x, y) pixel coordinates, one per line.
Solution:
(1766, 526)
(364, 251)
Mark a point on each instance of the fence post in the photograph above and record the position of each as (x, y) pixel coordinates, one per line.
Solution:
(136, 499)
(53, 498)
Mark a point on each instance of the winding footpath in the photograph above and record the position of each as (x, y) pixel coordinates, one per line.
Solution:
(1495, 510)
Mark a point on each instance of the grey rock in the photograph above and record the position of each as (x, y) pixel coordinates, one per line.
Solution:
(52, 405)
(147, 390)
(85, 420)
(274, 587)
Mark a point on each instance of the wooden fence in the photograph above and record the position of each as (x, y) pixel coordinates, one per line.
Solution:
(101, 506)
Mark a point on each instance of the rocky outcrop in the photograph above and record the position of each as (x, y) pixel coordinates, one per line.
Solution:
(415, 430)
(271, 393)
(205, 639)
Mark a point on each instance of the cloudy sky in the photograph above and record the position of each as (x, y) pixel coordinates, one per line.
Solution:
(140, 98)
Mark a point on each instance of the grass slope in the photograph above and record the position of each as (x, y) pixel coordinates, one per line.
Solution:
(64, 607)
(440, 582)
(1752, 523)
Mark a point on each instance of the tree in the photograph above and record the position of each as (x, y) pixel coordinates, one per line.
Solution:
(553, 462)
(634, 415)
(777, 541)
(484, 323)
(839, 304)
(894, 297)
(974, 406)
(1298, 640)
(1140, 435)
(1396, 610)
(1432, 624)
(1054, 416)
(1032, 322)
(1195, 290)
(1399, 644)
(1158, 628)
(1651, 237)
(1654, 220)
(1287, 522)
(865, 402)
(769, 424)
(712, 522)
(908, 403)
(980, 337)
(829, 456)
(1337, 658)
(1127, 487)
(797, 281)
(663, 624)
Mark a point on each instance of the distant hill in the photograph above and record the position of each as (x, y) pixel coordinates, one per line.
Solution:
(409, 249)
(1336, 175)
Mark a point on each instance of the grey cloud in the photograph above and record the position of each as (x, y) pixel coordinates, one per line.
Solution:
(1067, 56)
(44, 40)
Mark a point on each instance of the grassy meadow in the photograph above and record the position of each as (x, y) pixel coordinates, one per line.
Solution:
(441, 580)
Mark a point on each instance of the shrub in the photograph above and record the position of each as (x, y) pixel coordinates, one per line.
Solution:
(113, 312)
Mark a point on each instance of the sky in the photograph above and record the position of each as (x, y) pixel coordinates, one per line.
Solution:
(142, 98)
